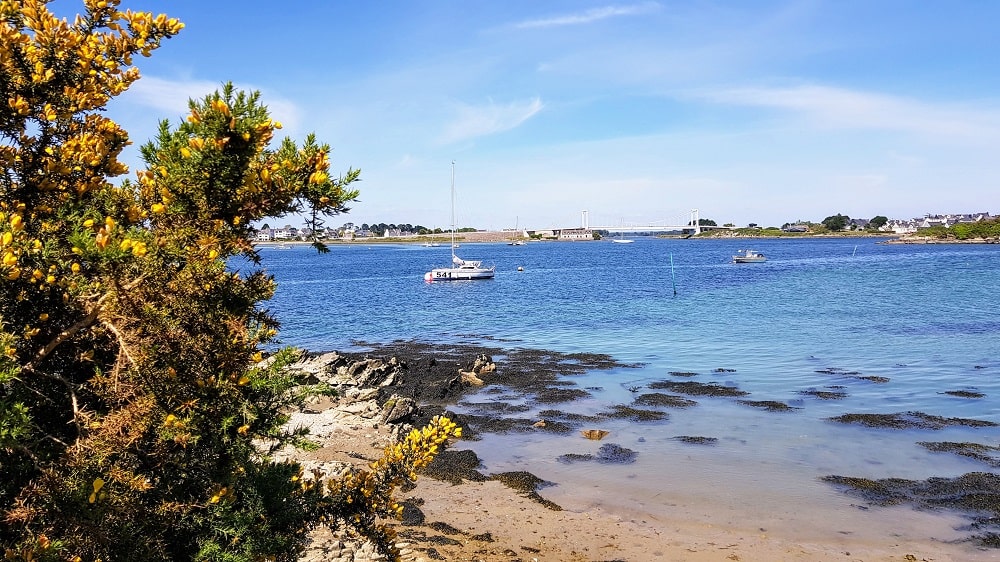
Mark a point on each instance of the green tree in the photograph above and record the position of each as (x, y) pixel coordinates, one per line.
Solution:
(836, 222)
(133, 399)
(877, 222)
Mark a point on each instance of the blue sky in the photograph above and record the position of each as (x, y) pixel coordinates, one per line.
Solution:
(750, 111)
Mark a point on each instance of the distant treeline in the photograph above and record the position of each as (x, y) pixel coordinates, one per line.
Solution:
(382, 228)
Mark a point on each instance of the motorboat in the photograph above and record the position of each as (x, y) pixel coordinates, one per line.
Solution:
(749, 256)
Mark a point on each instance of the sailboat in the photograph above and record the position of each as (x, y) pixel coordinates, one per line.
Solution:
(516, 241)
(461, 270)
(621, 239)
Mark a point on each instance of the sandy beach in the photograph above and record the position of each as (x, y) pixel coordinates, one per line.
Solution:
(456, 513)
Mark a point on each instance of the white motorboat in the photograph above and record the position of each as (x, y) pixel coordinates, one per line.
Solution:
(460, 270)
(749, 256)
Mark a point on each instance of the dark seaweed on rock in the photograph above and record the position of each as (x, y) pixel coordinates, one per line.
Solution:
(568, 417)
(551, 395)
(838, 371)
(983, 453)
(666, 400)
(611, 453)
(692, 388)
(622, 412)
(874, 378)
(430, 374)
(696, 440)
(528, 484)
(769, 405)
(498, 425)
(909, 420)
(570, 458)
(455, 466)
(976, 494)
(496, 407)
(964, 393)
(825, 394)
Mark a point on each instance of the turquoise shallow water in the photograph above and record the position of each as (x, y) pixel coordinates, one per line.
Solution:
(923, 317)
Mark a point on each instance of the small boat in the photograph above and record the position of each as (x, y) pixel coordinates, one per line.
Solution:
(461, 270)
(621, 239)
(431, 244)
(749, 256)
(516, 243)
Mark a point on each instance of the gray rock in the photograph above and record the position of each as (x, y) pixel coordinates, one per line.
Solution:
(398, 409)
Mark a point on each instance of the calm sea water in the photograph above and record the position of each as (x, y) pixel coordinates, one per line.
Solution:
(922, 316)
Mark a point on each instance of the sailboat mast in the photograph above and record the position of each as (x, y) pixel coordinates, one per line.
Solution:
(453, 211)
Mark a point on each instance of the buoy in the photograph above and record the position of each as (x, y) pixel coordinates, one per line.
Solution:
(519, 268)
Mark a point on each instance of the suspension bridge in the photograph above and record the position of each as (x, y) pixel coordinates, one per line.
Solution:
(668, 225)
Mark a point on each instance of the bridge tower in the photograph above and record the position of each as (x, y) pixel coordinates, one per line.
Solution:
(696, 221)
(585, 219)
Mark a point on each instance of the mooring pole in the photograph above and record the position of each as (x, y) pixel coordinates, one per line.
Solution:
(673, 280)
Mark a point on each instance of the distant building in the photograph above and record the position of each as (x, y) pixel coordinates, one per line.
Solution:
(576, 234)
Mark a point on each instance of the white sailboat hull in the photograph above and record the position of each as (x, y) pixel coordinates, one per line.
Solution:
(459, 274)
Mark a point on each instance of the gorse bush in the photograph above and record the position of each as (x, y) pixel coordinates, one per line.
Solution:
(137, 421)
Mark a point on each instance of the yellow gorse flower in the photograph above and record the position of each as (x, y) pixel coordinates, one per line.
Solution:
(98, 484)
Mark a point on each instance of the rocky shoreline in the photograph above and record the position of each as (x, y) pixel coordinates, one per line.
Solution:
(379, 397)
(455, 512)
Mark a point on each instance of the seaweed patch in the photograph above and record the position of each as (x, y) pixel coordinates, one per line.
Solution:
(528, 484)
(665, 400)
(909, 420)
(622, 412)
(983, 453)
(975, 494)
(769, 405)
(825, 394)
(964, 393)
(692, 388)
(696, 439)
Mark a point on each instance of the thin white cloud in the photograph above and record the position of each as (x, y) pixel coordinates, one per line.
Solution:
(589, 16)
(479, 121)
(170, 98)
(850, 109)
